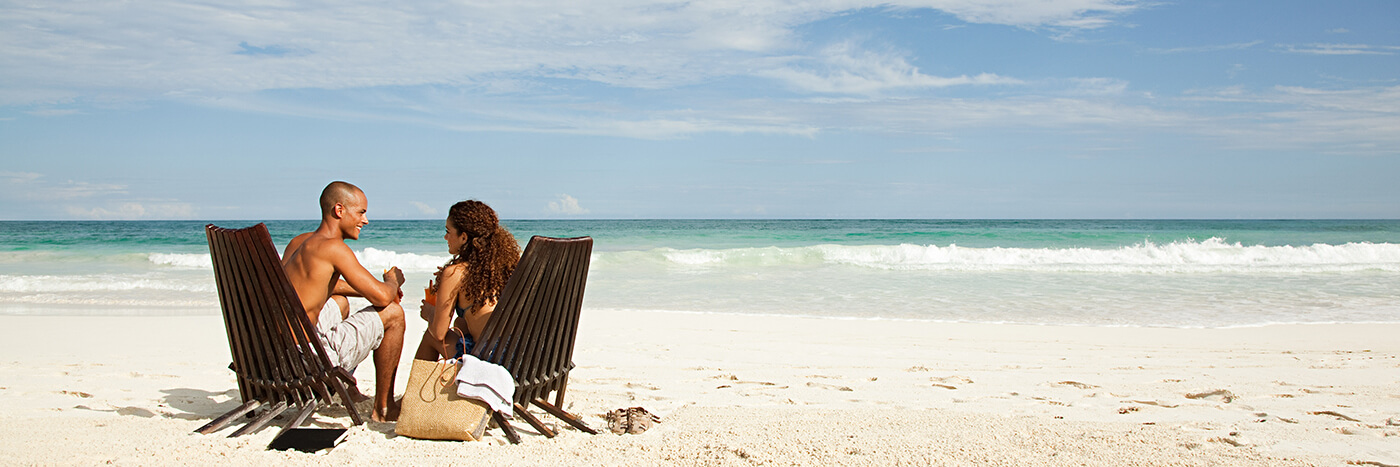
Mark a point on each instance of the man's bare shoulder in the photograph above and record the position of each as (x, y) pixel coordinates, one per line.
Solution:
(295, 243)
(322, 247)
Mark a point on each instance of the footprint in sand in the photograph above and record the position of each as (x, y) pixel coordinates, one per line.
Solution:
(1073, 384)
(1334, 414)
(829, 386)
(946, 382)
(78, 394)
(757, 383)
(1219, 394)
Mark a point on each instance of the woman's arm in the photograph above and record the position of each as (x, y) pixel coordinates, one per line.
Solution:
(446, 300)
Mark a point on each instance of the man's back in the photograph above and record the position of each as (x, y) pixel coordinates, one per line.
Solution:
(311, 268)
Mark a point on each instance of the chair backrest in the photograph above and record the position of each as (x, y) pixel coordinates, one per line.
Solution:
(276, 352)
(531, 332)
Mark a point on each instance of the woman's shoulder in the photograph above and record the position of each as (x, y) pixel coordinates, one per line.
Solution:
(454, 270)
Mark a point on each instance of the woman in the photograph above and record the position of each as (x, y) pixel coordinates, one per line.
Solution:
(483, 255)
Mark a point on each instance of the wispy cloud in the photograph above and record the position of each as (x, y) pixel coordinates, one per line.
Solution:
(271, 50)
(91, 49)
(35, 186)
(424, 208)
(134, 211)
(29, 194)
(1341, 49)
(846, 68)
(1358, 121)
(1208, 48)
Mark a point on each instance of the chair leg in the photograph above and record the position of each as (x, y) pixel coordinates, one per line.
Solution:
(344, 391)
(262, 420)
(565, 416)
(505, 427)
(223, 420)
(534, 422)
(300, 419)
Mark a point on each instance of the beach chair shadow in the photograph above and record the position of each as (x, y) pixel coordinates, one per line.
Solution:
(531, 332)
(278, 357)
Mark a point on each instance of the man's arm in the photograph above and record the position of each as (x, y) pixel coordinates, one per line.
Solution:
(344, 289)
(379, 293)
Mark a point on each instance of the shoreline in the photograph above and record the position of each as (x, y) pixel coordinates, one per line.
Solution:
(738, 389)
(214, 313)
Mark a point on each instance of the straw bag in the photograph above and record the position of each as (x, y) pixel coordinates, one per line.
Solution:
(433, 410)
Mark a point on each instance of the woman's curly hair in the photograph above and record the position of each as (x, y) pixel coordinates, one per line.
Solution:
(490, 252)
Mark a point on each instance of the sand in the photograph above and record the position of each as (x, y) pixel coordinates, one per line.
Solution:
(761, 390)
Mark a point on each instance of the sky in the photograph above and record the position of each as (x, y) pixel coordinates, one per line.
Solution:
(1105, 109)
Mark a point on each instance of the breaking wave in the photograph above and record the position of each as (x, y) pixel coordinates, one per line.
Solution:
(1211, 255)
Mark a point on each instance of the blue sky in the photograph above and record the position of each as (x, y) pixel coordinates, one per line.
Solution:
(727, 109)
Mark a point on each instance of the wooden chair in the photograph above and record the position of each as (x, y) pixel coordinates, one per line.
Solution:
(277, 355)
(531, 332)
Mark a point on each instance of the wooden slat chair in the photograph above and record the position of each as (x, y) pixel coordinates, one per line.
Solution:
(531, 333)
(277, 355)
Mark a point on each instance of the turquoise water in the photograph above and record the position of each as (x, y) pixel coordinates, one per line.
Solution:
(1097, 273)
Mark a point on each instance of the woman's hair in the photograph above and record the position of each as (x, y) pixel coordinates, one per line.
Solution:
(490, 252)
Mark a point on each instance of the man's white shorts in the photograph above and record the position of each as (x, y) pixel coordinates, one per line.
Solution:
(349, 341)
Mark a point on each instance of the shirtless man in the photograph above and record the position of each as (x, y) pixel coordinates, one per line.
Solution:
(324, 271)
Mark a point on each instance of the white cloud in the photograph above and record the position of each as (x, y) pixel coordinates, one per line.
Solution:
(88, 49)
(1341, 49)
(424, 208)
(19, 177)
(133, 211)
(566, 205)
(1208, 48)
(1360, 121)
(848, 69)
(34, 186)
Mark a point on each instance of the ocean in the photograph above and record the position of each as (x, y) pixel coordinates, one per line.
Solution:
(1156, 273)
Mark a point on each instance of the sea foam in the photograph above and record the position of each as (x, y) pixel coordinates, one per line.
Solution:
(372, 258)
(1211, 255)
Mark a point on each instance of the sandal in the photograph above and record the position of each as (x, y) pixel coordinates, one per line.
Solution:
(639, 420)
(633, 420)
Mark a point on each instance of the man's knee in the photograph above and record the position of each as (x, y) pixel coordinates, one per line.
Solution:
(344, 304)
(392, 316)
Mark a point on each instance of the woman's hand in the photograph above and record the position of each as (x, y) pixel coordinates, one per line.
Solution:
(427, 310)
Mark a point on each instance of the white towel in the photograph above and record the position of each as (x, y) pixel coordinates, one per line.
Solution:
(486, 382)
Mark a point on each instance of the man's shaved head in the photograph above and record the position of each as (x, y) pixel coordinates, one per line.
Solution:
(337, 192)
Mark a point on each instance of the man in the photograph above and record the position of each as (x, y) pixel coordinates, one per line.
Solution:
(324, 271)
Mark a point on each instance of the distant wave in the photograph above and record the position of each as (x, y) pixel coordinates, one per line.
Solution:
(1192, 256)
(1211, 255)
(99, 283)
(372, 258)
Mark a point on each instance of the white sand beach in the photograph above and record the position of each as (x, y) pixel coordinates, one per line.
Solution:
(762, 390)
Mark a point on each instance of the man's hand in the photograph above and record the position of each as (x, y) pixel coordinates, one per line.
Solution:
(394, 276)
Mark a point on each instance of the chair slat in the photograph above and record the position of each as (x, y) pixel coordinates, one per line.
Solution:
(277, 355)
(532, 331)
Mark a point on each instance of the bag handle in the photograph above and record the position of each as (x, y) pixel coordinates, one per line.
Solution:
(440, 377)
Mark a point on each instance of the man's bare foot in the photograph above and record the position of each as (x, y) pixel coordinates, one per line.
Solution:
(387, 414)
(356, 396)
